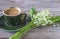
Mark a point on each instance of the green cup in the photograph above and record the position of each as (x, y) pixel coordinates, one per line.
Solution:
(13, 18)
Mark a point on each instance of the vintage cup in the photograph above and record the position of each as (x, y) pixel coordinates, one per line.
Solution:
(13, 20)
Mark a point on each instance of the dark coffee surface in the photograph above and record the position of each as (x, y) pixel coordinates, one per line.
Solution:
(11, 11)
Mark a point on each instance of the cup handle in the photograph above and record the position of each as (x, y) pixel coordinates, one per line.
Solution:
(23, 16)
(1, 14)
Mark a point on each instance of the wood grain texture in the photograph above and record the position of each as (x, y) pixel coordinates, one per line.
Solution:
(25, 5)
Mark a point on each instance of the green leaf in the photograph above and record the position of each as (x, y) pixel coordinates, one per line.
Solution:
(32, 11)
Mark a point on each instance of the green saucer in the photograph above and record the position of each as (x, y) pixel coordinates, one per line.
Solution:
(13, 28)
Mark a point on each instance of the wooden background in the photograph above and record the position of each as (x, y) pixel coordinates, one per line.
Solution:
(25, 5)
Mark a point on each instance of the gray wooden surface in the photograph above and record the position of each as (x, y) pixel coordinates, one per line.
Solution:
(25, 5)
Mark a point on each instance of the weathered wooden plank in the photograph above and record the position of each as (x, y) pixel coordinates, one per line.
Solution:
(4, 33)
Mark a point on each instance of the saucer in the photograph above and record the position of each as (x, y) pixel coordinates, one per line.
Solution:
(15, 28)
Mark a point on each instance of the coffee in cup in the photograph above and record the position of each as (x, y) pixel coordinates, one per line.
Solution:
(12, 11)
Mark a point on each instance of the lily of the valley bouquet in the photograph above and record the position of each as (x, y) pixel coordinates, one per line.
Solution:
(37, 19)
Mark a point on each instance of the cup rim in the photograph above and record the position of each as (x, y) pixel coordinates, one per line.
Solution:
(11, 15)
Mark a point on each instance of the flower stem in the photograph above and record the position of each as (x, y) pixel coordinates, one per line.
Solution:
(23, 31)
